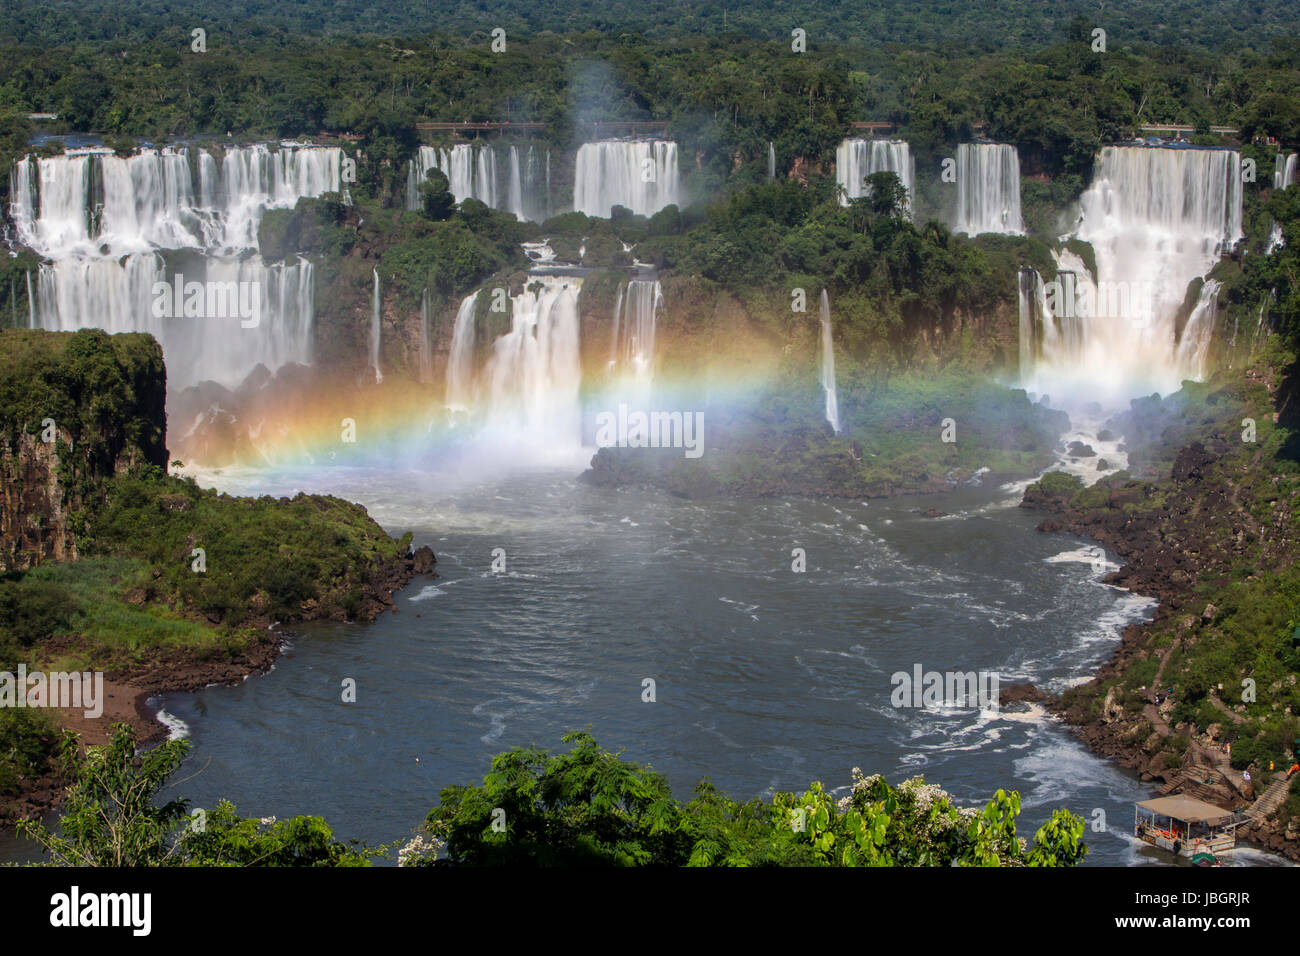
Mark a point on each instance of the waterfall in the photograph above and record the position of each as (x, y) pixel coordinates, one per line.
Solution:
(632, 346)
(1032, 320)
(856, 159)
(1157, 219)
(771, 160)
(375, 307)
(641, 176)
(472, 173)
(426, 340)
(115, 227)
(1284, 176)
(828, 367)
(534, 372)
(31, 302)
(1284, 173)
(460, 361)
(1194, 343)
(988, 189)
(123, 296)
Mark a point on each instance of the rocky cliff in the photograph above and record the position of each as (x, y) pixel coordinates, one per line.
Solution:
(73, 410)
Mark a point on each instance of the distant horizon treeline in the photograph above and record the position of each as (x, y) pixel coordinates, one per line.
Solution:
(990, 24)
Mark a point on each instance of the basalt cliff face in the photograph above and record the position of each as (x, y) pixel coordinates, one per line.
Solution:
(73, 409)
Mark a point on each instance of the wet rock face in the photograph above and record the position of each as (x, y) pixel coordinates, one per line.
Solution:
(1078, 449)
(423, 560)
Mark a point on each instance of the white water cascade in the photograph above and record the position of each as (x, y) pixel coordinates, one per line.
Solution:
(376, 304)
(120, 232)
(828, 367)
(1284, 177)
(632, 345)
(1156, 218)
(640, 175)
(771, 161)
(988, 189)
(460, 360)
(1198, 332)
(519, 183)
(1284, 173)
(856, 159)
(533, 374)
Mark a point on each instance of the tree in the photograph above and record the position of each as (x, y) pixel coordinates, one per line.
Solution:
(589, 807)
(436, 198)
(886, 195)
(109, 818)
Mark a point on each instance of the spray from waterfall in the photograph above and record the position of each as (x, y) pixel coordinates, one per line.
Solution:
(828, 366)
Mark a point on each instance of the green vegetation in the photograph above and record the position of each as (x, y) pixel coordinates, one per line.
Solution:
(263, 558)
(1225, 506)
(114, 817)
(588, 807)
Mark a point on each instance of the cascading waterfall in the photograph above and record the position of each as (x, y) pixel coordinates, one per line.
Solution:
(771, 161)
(534, 373)
(1284, 172)
(988, 189)
(856, 159)
(123, 296)
(31, 302)
(519, 185)
(376, 304)
(118, 231)
(828, 367)
(1194, 343)
(641, 176)
(632, 345)
(1156, 218)
(1284, 176)
(460, 360)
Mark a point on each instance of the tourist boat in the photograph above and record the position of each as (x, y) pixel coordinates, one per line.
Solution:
(1185, 827)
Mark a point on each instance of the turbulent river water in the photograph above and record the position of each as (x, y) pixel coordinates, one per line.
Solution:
(765, 677)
